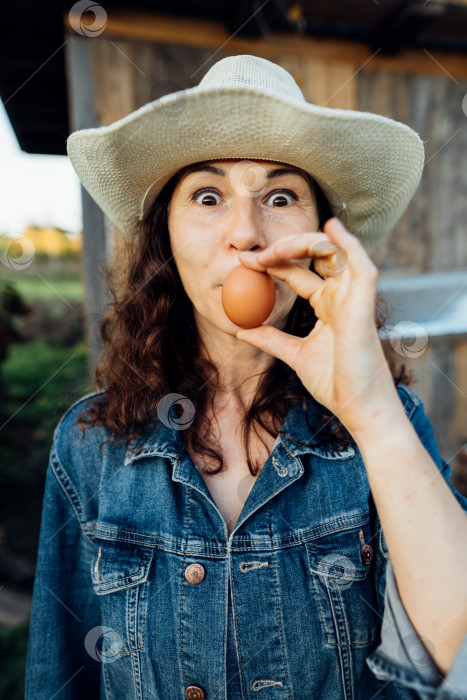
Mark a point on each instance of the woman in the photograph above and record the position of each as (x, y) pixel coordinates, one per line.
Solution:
(237, 536)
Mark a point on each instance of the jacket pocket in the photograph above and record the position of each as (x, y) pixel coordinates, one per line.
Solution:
(341, 569)
(119, 572)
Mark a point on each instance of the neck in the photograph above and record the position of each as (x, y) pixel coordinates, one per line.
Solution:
(239, 367)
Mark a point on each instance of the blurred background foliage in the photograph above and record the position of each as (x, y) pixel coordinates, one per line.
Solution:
(43, 369)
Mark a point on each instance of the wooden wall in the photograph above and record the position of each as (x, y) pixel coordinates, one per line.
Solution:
(432, 233)
(440, 380)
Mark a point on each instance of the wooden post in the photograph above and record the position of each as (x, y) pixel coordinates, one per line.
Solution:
(96, 230)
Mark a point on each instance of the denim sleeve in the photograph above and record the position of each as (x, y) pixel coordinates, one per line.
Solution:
(403, 656)
(60, 661)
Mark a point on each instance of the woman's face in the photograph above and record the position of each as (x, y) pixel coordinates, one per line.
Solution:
(220, 207)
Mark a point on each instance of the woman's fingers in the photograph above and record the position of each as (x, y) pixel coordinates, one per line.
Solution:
(329, 259)
(360, 264)
(333, 252)
(305, 245)
(304, 282)
(248, 258)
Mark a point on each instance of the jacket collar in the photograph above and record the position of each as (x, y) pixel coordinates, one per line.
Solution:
(282, 468)
(159, 439)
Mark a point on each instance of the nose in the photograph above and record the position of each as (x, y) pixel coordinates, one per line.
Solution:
(246, 229)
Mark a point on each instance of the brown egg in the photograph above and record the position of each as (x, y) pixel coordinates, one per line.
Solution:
(248, 296)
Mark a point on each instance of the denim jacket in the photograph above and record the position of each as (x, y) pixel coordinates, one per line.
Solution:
(135, 568)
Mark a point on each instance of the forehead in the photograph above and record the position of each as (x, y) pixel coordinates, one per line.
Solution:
(221, 166)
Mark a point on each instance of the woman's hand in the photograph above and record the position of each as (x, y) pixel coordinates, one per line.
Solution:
(341, 362)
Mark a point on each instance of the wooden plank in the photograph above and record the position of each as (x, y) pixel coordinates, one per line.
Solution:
(418, 368)
(340, 81)
(406, 246)
(431, 233)
(444, 390)
(460, 407)
(114, 68)
(440, 380)
(314, 81)
(96, 239)
(212, 35)
(439, 119)
(459, 3)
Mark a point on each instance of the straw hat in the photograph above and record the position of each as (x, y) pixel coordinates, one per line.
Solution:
(247, 107)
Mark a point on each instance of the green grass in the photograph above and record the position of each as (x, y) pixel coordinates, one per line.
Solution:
(46, 285)
(41, 377)
(40, 287)
(41, 380)
(13, 649)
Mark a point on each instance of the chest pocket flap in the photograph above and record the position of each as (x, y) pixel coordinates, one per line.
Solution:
(117, 565)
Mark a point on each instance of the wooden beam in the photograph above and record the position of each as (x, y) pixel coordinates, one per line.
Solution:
(96, 235)
(206, 34)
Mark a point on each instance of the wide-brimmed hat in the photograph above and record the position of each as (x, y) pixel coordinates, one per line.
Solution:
(247, 107)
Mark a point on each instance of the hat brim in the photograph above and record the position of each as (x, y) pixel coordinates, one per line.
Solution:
(367, 165)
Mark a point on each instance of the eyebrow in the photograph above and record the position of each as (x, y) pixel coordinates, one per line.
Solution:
(215, 170)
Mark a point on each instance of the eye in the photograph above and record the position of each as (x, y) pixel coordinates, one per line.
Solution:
(208, 196)
(282, 197)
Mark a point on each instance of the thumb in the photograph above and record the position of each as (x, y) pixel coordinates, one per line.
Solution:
(273, 341)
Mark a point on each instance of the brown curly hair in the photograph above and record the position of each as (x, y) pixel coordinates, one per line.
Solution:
(146, 356)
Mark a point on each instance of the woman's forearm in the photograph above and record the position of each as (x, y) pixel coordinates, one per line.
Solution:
(425, 530)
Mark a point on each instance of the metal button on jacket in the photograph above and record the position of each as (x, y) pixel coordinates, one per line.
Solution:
(194, 574)
(193, 692)
(366, 553)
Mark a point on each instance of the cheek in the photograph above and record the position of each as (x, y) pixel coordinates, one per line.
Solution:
(189, 239)
(193, 261)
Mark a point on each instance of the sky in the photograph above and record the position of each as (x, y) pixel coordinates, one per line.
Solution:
(35, 189)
